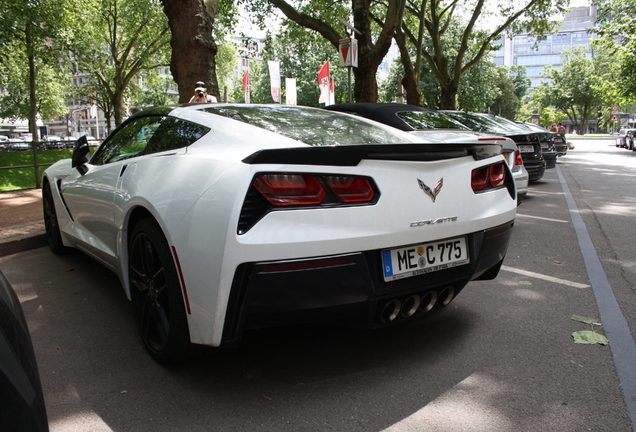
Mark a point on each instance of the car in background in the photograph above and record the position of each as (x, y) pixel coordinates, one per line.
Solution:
(529, 144)
(92, 141)
(18, 144)
(53, 142)
(631, 140)
(560, 144)
(546, 138)
(22, 408)
(223, 217)
(435, 126)
(69, 142)
(622, 138)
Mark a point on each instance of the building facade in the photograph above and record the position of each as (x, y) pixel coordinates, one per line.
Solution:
(535, 54)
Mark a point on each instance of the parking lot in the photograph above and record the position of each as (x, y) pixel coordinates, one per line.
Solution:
(501, 357)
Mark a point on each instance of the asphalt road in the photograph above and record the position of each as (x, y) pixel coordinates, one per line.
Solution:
(501, 357)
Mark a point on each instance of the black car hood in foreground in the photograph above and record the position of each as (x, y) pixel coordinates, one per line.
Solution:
(21, 399)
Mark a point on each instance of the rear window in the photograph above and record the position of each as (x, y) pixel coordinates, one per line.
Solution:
(311, 126)
(480, 123)
(421, 120)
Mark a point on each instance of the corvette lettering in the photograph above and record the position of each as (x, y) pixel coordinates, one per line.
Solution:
(433, 221)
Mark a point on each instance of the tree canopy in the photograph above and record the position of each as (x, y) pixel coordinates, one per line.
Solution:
(374, 32)
(570, 89)
(616, 30)
(431, 21)
(124, 38)
(33, 50)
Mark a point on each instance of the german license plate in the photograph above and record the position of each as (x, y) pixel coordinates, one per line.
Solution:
(423, 258)
(526, 148)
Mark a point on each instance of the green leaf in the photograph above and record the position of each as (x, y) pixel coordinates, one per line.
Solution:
(585, 320)
(589, 337)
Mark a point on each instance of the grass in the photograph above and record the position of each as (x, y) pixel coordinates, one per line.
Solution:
(23, 178)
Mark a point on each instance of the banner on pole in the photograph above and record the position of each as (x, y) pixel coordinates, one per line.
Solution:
(323, 83)
(246, 86)
(332, 90)
(274, 76)
(290, 91)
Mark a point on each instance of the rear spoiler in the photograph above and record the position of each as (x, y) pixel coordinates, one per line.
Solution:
(352, 155)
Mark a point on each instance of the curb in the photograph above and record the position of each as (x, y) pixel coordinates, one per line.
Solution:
(23, 245)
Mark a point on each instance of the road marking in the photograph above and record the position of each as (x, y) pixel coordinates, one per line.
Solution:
(544, 277)
(542, 218)
(614, 322)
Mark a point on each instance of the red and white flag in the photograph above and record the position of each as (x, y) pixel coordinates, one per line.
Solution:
(324, 83)
(246, 86)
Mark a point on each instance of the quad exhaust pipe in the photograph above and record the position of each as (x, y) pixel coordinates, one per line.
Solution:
(446, 296)
(414, 303)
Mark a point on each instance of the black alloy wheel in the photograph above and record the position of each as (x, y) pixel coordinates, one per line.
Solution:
(156, 295)
(51, 225)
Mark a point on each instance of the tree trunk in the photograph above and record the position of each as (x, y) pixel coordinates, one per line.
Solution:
(449, 97)
(119, 108)
(193, 46)
(409, 81)
(370, 54)
(33, 103)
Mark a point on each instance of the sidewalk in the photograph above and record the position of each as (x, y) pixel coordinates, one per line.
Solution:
(21, 221)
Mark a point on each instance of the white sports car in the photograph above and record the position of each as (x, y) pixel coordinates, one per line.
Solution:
(218, 218)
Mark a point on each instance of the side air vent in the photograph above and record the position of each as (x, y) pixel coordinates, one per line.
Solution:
(254, 208)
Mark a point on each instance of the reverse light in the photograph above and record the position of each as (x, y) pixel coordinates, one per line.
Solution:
(489, 177)
(350, 189)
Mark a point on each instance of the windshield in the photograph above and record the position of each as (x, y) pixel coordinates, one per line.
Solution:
(421, 120)
(312, 126)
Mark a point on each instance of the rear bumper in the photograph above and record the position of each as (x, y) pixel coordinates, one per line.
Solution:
(535, 167)
(350, 288)
(550, 159)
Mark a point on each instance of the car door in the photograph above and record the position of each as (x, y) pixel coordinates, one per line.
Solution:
(90, 197)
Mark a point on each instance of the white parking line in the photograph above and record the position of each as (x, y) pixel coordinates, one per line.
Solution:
(544, 277)
(542, 218)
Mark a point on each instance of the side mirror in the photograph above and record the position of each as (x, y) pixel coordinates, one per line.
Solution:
(81, 155)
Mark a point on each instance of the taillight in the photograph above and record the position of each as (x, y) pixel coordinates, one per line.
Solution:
(518, 158)
(492, 176)
(306, 189)
(350, 189)
(479, 179)
(289, 189)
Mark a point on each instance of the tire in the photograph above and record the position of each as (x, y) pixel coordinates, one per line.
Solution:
(50, 222)
(156, 296)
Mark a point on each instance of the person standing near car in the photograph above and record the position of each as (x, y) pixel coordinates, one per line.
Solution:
(561, 129)
(201, 94)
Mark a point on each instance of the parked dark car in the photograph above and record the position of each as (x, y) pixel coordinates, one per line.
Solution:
(436, 126)
(560, 144)
(21, 400)
(545, 136)
(528, 142)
